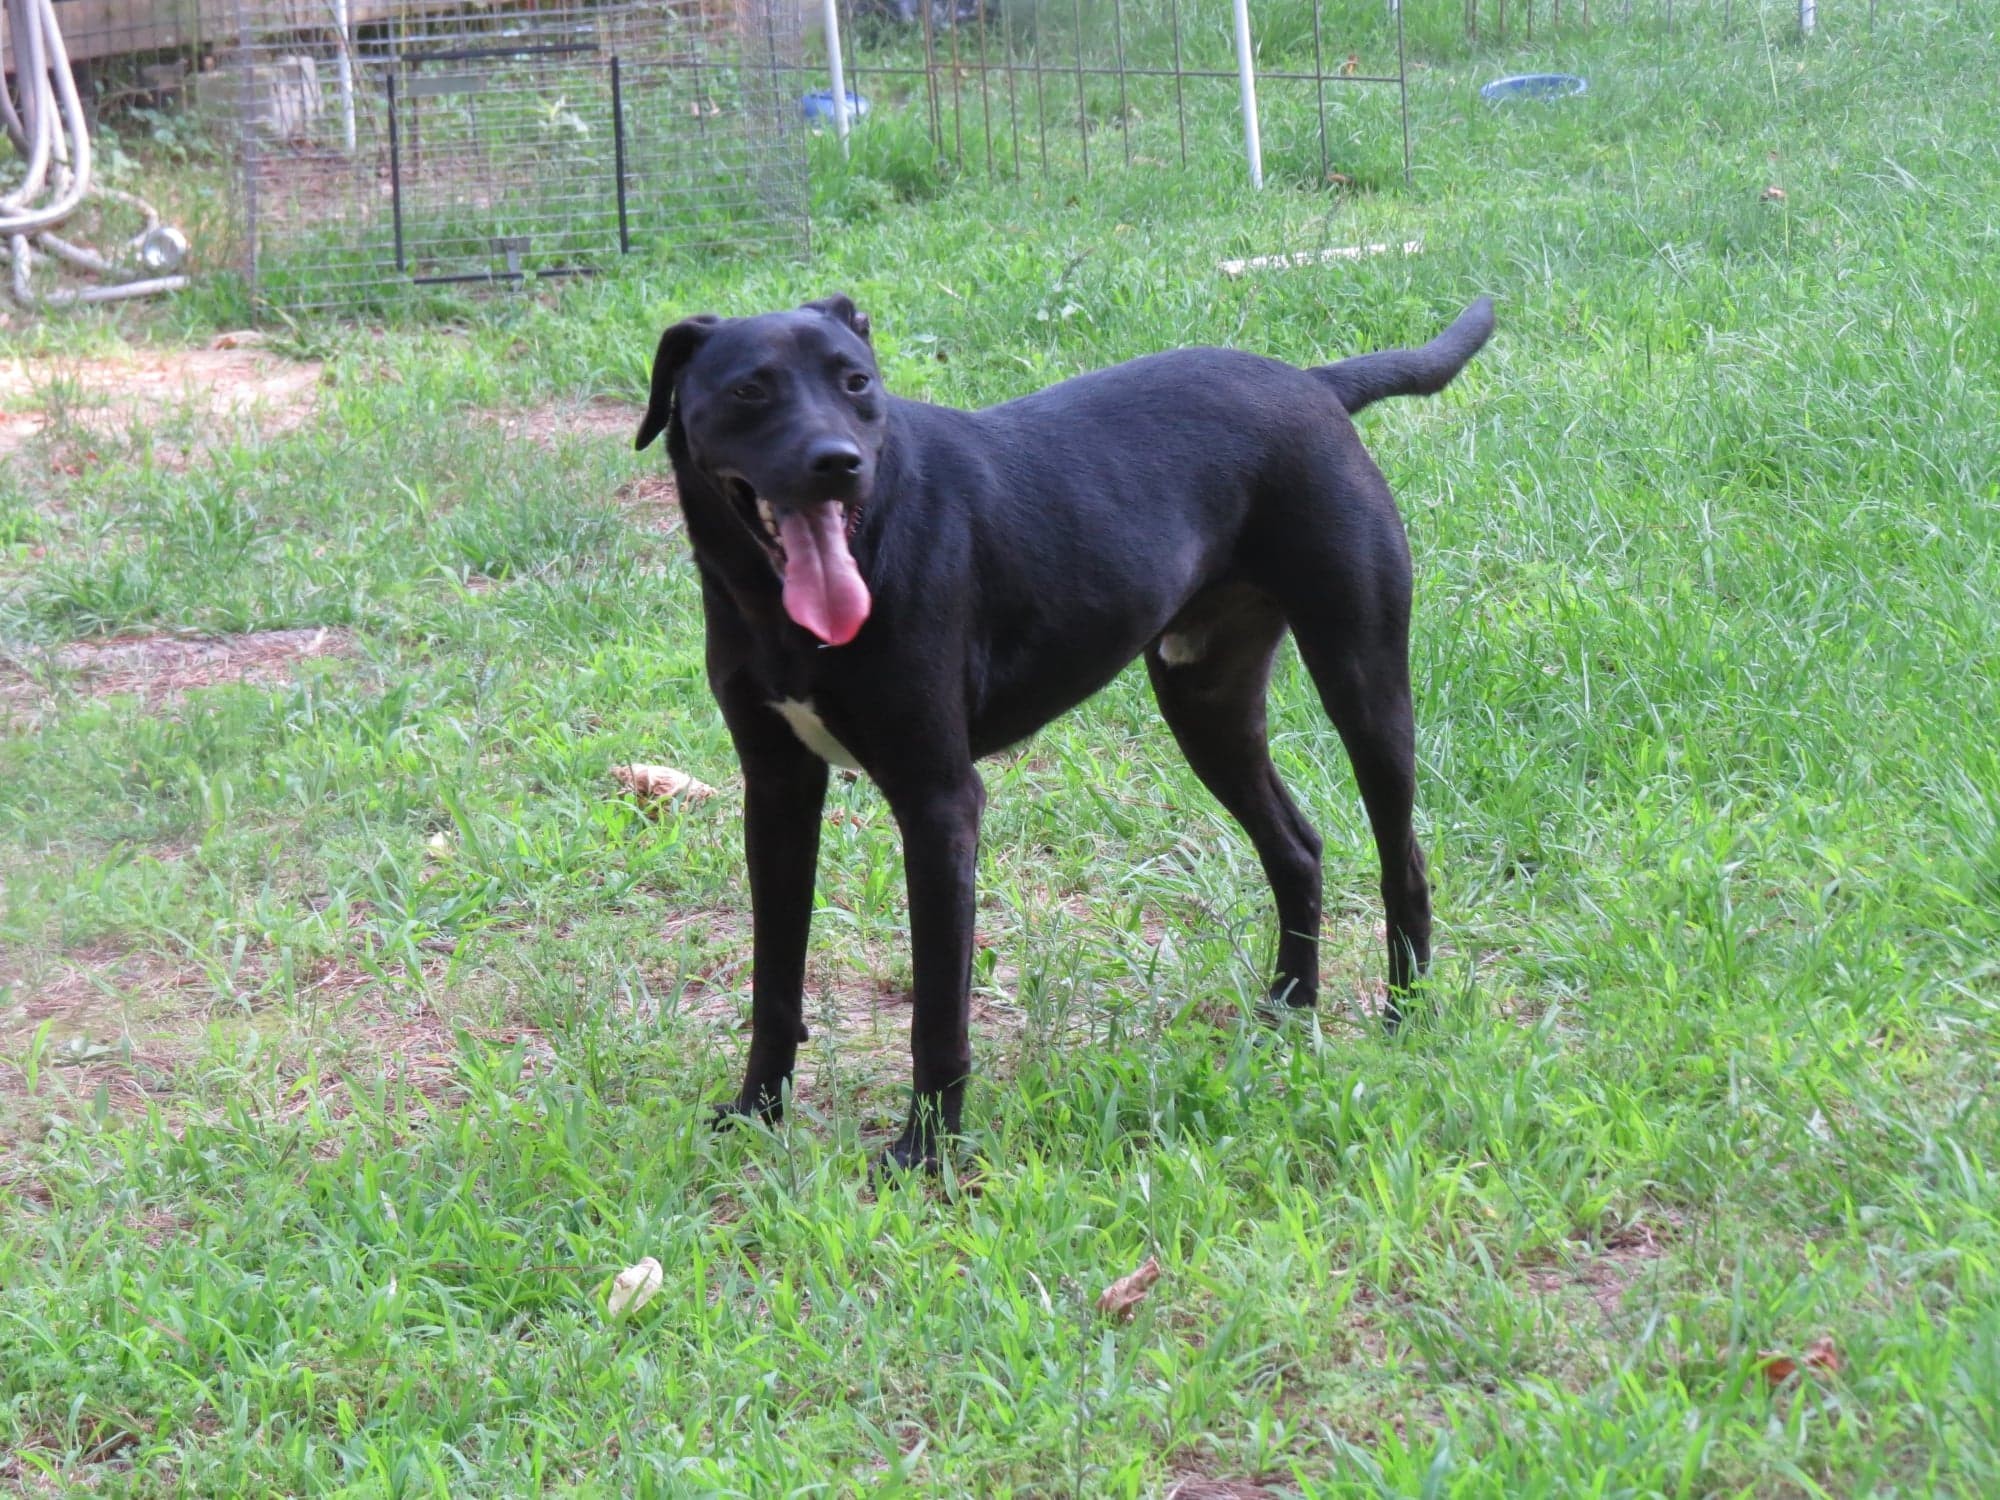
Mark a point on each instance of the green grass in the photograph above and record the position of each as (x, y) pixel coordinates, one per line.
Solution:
(353, 1034)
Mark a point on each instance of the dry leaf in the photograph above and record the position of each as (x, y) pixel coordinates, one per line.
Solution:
(1777, 1368)
(1820, 1357)
(1125, 1294)
(633, 1287)
(653, 784)
(1774, 195)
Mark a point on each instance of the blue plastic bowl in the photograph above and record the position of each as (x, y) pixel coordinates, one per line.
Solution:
(819, 105)
(1534, 86)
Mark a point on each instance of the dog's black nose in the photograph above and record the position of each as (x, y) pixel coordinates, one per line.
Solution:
(833, 458)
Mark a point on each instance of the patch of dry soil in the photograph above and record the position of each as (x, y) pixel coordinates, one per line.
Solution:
(227, 386)
(160, 668)
(121, 1027)
(554, 421)
(1607, 1275)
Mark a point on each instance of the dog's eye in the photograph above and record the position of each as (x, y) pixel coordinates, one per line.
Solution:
(748, 391)
(858, 382)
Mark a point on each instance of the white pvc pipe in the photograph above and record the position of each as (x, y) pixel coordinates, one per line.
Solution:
(343, 68)
(24, 292)
(117, 292)
(31, 77)
(839, 72)
(1808, 17)
(57, 154)
(10, 119)
(1246, 75)
(72, 178)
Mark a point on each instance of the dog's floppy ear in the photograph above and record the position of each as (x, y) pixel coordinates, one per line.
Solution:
(677, 347)
(840, 307)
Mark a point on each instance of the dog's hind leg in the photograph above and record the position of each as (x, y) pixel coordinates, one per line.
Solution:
(1352, 624)
(1209, 672)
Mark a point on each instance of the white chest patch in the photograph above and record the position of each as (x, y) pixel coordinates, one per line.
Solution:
(812, 733)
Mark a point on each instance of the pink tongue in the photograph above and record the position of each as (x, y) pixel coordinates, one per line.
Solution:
(823, 589)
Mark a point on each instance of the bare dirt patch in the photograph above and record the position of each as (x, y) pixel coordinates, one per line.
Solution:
(16, 428)
(1201, 1487)
(161, 668)
(101, 1028)
(860, 1041)
(857, 1055)
(1088, 910)
(88, 987)
(653, 499)
(105, 1029)
(559, 421)
(1606, 1276)
(650, 498)
(402, 1037)
(231, 388)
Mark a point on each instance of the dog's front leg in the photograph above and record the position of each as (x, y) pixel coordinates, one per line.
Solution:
(940, 827)
(784, 794)
(782, 807)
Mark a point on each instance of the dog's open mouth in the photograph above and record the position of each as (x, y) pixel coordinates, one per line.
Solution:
(808, 546)
(755, 512)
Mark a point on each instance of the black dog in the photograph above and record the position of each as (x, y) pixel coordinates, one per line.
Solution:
(905, 588)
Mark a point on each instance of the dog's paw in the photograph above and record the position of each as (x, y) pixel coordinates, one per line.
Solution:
(1280, 1011)
(736, 1112)
(1290, 994)
(905, 1158)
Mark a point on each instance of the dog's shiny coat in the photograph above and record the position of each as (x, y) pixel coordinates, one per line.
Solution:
(910, 587)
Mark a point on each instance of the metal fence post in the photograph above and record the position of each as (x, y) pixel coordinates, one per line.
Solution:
(1246, 75)
(343, 67)
(831, 12)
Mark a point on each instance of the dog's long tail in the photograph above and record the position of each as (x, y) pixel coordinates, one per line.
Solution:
(1367, 378)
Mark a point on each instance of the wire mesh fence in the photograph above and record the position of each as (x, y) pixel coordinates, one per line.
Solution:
(392, 144)
(162, 35)
(384, 145)
(1038, 87)
(378, 146)
(1521, 21)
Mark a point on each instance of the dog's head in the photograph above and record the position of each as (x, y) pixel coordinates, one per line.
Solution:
(784, 416)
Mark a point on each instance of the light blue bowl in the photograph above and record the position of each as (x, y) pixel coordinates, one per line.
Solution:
(1534, 86)
(819, 105)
